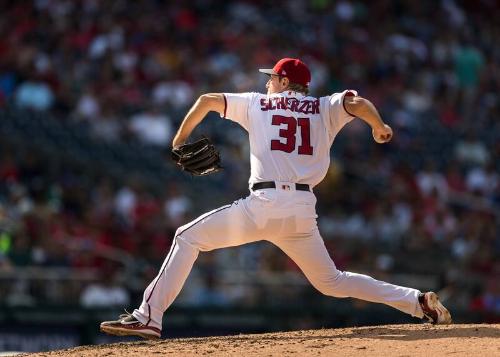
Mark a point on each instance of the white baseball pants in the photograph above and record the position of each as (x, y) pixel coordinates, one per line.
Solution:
(286, 218)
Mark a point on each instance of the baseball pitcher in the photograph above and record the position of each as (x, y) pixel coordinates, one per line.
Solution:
(290, 137)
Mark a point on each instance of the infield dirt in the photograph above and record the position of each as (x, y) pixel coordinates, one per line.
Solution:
(389, 340)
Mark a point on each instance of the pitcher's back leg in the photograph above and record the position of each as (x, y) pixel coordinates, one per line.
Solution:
(310, 254)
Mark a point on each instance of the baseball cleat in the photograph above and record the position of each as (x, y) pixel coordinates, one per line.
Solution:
(128, 325)
(433, 310)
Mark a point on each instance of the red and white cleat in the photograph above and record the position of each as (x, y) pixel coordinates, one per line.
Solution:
(128, 325)
(433, 310)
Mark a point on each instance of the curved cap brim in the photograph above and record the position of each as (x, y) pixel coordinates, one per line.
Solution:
(267, 71)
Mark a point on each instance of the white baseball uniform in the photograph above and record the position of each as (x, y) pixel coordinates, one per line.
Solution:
(290, 138)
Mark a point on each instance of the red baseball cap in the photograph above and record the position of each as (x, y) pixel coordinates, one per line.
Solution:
(292, 68)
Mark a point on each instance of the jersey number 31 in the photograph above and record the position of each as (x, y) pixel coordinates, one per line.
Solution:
(289, 134)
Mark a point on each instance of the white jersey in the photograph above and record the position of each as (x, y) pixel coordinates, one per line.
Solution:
(290, 133)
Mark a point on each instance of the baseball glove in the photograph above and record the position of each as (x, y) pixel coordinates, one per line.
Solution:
(199, 158)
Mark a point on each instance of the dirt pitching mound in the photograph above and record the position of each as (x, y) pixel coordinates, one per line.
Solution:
(390, 340)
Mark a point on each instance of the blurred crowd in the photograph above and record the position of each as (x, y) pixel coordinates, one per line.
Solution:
(428, 204)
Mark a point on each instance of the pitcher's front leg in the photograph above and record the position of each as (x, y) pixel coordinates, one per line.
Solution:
(224, 227)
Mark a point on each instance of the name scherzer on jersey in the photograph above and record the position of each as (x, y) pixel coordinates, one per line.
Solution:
(290, 133)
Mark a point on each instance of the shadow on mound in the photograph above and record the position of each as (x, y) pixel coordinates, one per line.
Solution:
(403, 333)
(427, 333)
